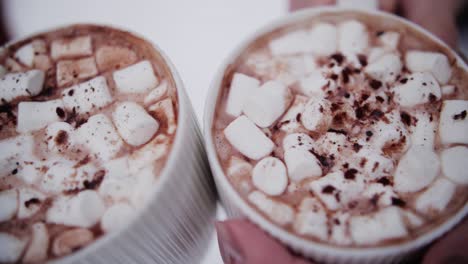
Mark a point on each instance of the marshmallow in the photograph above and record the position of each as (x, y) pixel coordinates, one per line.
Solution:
(280, 213)
(331, 143)
(30, 170)
(420, 88)
(389, 40)
(114, 57)
(8, 204)
(120, 189)
(87, 96)
(117, 168)
(14, 150)
(116, 217)
(455, 164)
(238, 168)
(11, 248)
(37, 249)
(248, 139)
(156, 94)
(39, 46)
(301, 164)
(241, 87)
(383, 225)
(266, 104)
(82, 210)
(312, 85)
(394, 132)
(447, 90)
(71, 239)
(384, 194)
(137, 78)
(376, 53)
(423, 133)
(298, 141)
(70, 70)
(353, 37)
(42, 62)
(164, 110)
(291, 68)
(144, 187)
(269, 175)
(316, 115)
(376, 163)
(30, 202)
(134, 124)
(100, 137)
(154, 150)
(291, 43)
(311, 219)
(290, 121)
(385, 69)
(334, 190)
(453, 124)
(25, 54)
(75, 47)
(323, 39)
(13, 66)
(433, 62)
(412, 219)
(416, 170)
(14, 85)
(339, 229)
(37, 115)
(436, 198)
(59, 137)
(59, 177)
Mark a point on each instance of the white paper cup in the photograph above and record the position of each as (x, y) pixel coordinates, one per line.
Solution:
(176, 223)
(236, 206)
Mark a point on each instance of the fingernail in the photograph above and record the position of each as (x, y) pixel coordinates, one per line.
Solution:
(230, 252)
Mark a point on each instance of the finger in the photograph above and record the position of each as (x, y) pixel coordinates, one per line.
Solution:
(242, 242)
(434, 15)
(451, 248)
(300, 4)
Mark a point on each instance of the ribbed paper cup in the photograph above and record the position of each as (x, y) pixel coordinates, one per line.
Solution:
(236, 206)
(176, 223)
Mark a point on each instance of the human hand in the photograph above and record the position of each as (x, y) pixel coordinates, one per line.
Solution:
(241, 242)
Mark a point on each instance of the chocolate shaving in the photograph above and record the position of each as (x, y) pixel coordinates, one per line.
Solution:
(362, 60)
(93, 184)
(398, 202)
(328, 189)
(375, 84)
(60, 112)
(405, 118)
(356, 147)
(432, 98)
(15, 171)
(334, 77)
(404, 80)
(369, 133)
(298, 117)
(380, 99)
(345, 74)
(350, 174)
(384, 181)
(31, 202)
(61, 138)
(460, 116)
(376, 114)
(338, 57)
(337, 131)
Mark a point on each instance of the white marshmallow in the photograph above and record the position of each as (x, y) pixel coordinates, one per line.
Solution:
(83, 210)
(312, 84)
(59, 177)
(416, 170)
(353, 37)
(389, 40)
(447, 90)
(70, 70)
(436, 198)
(301, 164)
(13, 66)
(37, 249)
(291, 43)
(156, 94)
(417, 90)
(65, 48)
(30, 170)
(154, 150)
(111, 57)
(334, 190)
(289, 122)
(323, 39)
(137, 78)
(87, 96)
(241, 88)
(280, 213)
(376, 53)
(433, 62)
(116, 217)
(311, 219)
(377, 164)
(25, 54)
(14, 85)
(134, 124)
(238, 168)
(385, 224)
(412, 219)
(117, 189)
(14, 150)
(455, 164)
(100, 137)
(423, 133)
(316, 115)
(144, 187)
(453, 124)
(266, 104)
(11, 249)
(248, 139)
(37, 115)
(331, 143)
(298, 141)
(30, 202)
(393, 132)
(164, 110)
(386, 68)
(383, 193)
(339, 229)
(269, 175)
(57, 130)
(69, 240)
(117, 168)
(8, 204)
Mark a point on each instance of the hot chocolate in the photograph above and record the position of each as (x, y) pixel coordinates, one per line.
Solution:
(346, 130)
(88, 115)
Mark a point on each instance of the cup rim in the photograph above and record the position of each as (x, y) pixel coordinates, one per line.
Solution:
(183, 110)
(306, 246)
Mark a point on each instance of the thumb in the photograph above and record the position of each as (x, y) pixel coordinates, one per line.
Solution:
(241, 242)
